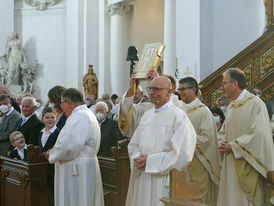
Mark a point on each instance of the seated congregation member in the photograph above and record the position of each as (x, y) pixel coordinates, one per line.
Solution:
(50, 132)
(218, 116)
(222, 102)
(5, 90)
(20, 148)
(130, 113)
(204, 166)
(54, 96)
(30, 126)
(39, 110)
(164, 140)
(47, 139)
(110, 133)
(77, 177)
(10, 120)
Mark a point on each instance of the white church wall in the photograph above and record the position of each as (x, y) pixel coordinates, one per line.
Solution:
(236, 24)
(6, 22)
(147, 23)
(188, 38)
(147, 26)
(43, 35)
(206, 38)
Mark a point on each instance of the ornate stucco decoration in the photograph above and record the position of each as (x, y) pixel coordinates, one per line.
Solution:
(269, 11)
(117, 9)
(267, 63)
(42, 5)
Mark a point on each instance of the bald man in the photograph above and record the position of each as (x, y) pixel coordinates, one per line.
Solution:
(130, 112)
(163, 140)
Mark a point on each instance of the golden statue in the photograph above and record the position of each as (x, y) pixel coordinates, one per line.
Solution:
(90, 83)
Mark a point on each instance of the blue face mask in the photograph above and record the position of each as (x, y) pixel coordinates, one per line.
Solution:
(87, 102)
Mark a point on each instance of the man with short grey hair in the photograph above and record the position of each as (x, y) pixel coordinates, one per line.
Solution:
(10, 119)
(77, 175)
(246, 146)
(30, 126)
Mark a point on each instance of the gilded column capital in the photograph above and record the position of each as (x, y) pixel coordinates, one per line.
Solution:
(117, 9)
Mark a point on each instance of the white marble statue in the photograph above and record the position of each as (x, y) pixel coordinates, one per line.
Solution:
(16, 73)
(28, 75)
(14, 58)
(3, 74)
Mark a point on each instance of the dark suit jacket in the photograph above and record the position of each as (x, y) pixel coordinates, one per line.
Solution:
(110, 134)
(14, 154)
(50, 142)
(31, 129)
(15, 105)
(62, 121)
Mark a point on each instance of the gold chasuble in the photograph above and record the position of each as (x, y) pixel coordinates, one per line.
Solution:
(205, 166)
(243, 174)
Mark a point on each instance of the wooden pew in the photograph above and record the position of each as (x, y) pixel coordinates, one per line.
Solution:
(25, 183)
(115, 172)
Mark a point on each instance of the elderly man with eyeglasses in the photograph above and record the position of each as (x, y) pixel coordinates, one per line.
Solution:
(164, 140)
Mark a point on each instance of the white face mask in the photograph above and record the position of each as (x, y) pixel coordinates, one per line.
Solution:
(100, 116)
(217, 119)
(38, 104)
(4, 108)
(51, 104)
(223, 108)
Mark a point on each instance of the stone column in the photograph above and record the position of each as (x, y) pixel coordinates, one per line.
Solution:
(170, 37)
(118, 32)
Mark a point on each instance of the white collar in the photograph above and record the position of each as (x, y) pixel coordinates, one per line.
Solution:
(241, 96)
(80, 107)
(164, 107)
(25, 147)
(11, 109)
(51, 130)
(193, 102)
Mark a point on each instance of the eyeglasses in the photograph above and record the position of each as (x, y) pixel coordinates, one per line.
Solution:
(18, 138)
(183, 89)
(154, 89)
(224, 83)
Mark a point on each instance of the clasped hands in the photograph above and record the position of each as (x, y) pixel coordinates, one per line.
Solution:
(140, 162)
(224, 147)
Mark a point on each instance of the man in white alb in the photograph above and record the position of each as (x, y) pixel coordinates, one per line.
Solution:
(164, 139)
(77, 173)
